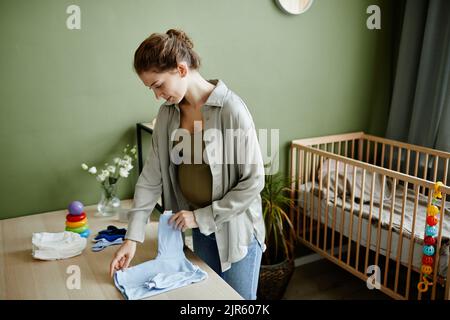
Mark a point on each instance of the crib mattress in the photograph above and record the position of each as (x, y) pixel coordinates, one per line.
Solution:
(306, 194)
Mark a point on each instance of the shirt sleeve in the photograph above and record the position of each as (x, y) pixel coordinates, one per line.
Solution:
(251, 179)
(147, 191)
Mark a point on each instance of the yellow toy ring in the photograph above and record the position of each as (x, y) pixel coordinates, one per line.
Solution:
(422, 287)
(437, 193)
(79, 229)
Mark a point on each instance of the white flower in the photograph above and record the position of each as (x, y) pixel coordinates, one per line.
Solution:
(133, 150)
(116, 160)
(128, 167)
(124, 163)
(93, 170)
(105, 173)
(84, 166)
(111, 169)
(127, 158)
(123, 172)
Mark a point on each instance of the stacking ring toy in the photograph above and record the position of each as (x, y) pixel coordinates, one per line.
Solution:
(76, 224)
(75, 218)
(76, 207)
(78, 230)
(85, 233)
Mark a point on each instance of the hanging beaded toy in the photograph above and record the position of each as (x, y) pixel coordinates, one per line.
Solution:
(431, 232)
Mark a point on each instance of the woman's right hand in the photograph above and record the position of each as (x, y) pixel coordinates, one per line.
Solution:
(123, 256)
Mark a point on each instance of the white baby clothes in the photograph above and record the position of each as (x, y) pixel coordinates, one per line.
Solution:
(169, 270)
(53, 246)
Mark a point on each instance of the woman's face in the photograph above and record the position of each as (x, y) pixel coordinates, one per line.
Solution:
(170, 85)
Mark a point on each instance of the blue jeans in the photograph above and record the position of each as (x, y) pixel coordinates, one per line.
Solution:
(243, 275)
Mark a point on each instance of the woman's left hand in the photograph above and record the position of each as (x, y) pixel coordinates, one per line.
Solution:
(183, 220)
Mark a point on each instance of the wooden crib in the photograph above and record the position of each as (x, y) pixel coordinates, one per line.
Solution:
(361, 201)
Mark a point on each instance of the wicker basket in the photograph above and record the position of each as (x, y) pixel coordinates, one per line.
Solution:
(274, 279)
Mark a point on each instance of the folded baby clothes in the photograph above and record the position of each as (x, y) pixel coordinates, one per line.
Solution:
(113, 230)
(103, 243)
(169, 270)
(53, 246)
(111, 234)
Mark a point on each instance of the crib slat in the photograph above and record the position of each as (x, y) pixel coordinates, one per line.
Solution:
(327, 207)
(350, 233)
(375, 153)
(445, 171)
(313, 181)
(360, 149)
(361, 204)
(300, 182)
(353, 149)
(425, 171)
(293, 183)
(391, 154)
(383, 180)
(343, 211)
(411, 242)
(400, 237)
(369, 224)
(383, 147)
(416, 165)
(334, 207)
(346, 148)
(319, 209)
(408, 156)
(399, 159)
(305, 198)
(388, 250)
(436, 164)
(367, 150)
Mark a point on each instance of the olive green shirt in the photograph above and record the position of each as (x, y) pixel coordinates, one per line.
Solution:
(195, 179)
(235, 213)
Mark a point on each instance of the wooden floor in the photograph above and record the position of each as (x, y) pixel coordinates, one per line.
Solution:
(324, 280)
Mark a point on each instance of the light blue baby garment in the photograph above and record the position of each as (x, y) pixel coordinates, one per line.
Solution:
(169, 270)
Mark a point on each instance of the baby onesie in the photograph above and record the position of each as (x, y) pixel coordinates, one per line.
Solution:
(169, 270)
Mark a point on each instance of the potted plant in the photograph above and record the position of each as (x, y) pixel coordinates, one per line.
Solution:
(277, 264)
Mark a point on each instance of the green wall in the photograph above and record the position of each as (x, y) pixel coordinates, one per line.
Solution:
(70, 96)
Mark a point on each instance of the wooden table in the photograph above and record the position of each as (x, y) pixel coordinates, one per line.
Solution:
(23, 277)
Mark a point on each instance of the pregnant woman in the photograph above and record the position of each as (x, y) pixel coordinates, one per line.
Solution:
(204, 160)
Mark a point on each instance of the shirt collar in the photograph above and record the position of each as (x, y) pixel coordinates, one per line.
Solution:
(217, 96)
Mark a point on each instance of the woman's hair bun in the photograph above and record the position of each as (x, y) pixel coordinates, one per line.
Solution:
(181, 36)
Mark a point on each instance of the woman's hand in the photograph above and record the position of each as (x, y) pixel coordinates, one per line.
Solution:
(183, 220)
(123, 256)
